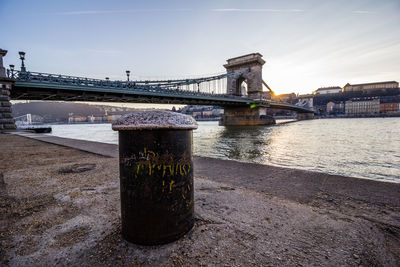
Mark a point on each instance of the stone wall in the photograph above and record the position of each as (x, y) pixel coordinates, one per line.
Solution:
(245, 116)
(304, 116)
(6, 117)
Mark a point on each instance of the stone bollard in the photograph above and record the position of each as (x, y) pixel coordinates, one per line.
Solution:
(156, 175)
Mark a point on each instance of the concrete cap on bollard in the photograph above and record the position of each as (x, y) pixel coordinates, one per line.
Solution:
(154, 120)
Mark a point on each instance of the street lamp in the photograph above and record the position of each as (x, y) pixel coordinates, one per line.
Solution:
(12, 70)
(127, 74)
(22, 57)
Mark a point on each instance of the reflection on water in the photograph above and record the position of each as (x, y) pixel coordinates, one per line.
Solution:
(244, 143)
(366, 148)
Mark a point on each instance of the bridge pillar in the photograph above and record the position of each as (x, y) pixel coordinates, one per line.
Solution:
(248, 69)
(305, 116)
(6, 118)
(246, 116)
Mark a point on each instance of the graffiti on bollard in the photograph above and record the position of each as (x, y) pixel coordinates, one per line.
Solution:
(156, 175)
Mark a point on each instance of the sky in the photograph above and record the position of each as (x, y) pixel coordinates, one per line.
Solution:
(306, 44)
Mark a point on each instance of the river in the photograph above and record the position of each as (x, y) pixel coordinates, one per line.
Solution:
(358, 147)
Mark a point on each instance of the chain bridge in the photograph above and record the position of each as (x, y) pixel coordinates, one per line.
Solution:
(239, 90)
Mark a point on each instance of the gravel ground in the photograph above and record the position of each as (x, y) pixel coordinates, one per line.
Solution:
(60, 206)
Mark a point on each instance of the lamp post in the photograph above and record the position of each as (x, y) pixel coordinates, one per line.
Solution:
(127, 74)
(12, 70)
(3, 53)
(22, 57)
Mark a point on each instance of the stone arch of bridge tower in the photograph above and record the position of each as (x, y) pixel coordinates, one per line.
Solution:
(246, 68)
(241, 81)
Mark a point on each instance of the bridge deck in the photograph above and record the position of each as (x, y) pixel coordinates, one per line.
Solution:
(40, 86)
(48, 91)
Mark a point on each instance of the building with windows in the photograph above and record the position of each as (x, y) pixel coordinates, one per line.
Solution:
(306, 100)
(362, 106)
(328, 90)
(335, 108)
(76, 118)
(330, 106)
(389, 108)
(370, 86)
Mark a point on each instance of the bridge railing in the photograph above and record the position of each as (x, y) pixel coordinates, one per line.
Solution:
(171, 88)
(39, 76)
(189, 86)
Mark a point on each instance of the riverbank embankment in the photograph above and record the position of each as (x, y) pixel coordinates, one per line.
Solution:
(246, 214)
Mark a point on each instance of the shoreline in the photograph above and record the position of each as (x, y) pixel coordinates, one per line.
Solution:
(317, 117)
(268, 215)
(109, 149)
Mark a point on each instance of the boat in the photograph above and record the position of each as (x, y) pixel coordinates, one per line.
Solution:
(35, 129)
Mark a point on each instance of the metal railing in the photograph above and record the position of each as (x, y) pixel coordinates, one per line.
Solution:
(195, 88)
(204, 86)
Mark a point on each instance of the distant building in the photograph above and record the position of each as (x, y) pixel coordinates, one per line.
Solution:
(287, 98)
(207, 113)
(339, 108)
(335, 108)
(113, 117)
(306, 100)
(330, 107)
(370, 86)
(203, 112)
(197, 114)
(93, 118)
(389, 108)
(390, 104)
(362, 106)
(218, 112)
(76, 118)
(328, 90)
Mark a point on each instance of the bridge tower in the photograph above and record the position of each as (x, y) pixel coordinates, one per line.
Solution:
(248, 69)
(6, 118)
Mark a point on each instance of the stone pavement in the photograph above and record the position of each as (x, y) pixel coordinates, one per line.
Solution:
(246, 214)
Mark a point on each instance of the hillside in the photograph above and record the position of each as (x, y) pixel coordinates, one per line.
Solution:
(60, 111)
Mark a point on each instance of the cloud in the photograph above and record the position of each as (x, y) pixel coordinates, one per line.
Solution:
(362, 12)
(255, 10)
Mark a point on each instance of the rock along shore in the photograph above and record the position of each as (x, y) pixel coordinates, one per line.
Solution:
(59, 205)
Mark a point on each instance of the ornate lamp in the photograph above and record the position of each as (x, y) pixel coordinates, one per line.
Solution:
(12, 70)
(22, 57)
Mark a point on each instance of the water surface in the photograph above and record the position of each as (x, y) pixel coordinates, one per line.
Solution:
(360, 147)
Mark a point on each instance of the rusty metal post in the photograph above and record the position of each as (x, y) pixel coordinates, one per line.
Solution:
(156, 175)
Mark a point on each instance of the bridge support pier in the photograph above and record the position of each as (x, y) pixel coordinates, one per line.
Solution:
(246, 116)
(304, 116)
(6, 118)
